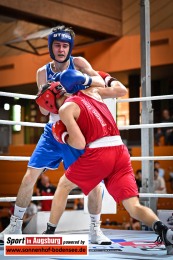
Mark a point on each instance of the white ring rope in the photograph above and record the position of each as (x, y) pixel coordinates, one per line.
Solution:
(6, 94)
(144, 98)
(151, 158)
(127, 127)
(118, 100)
(81, 196)
(157, 125)
(145, 158)
(70, 197)
(155, 195)
(14, 158)
(8, 122)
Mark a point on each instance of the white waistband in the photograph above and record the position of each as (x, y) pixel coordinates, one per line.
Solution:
(106, 142)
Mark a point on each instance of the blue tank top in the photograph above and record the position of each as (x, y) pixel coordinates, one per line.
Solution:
(50, 73)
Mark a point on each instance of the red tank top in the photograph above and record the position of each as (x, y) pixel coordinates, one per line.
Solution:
(95, 119)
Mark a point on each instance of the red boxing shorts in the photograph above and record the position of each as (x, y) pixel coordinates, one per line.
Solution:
(111, 164)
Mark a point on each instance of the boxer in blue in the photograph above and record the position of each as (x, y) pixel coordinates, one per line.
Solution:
(49, 153)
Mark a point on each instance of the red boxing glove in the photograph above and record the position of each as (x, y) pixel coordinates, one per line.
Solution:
(60, 132)
(103, 74)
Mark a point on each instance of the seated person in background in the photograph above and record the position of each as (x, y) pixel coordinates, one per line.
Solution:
(133, 224)
(45, 189)
(39, 184)
(78, 204)
(170, 169)
(138, 178)
(30, 212)
(166, 132)
(5, 213)
(159, 183)
(160, 170)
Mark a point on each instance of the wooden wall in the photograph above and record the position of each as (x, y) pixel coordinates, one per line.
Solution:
(161, 15)
(12, 172)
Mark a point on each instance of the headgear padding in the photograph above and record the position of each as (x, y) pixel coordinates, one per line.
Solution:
(61, 36)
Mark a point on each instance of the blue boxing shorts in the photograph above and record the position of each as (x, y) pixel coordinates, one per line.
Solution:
(49, 153)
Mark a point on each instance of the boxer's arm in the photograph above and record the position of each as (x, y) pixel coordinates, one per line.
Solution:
(68, 113)
(116, 90)
(84, 66)
(41, 81)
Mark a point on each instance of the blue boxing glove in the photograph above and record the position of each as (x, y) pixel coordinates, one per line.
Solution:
(74, 80)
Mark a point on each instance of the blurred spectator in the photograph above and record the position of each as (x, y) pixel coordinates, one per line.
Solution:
(159, 183)
(5, 214)
(107, 222)
(138, 178)
(78, 204)
(39, 184)
(170, 169)
(30, 212)
(160, 170)
(133, 224)
(166, 132)
(159, 186)
(45, 188)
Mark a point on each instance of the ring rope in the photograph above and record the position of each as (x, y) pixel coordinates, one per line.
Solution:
(5, 199)
(144, 158)
(156, 125)
(123, 100)
(81, 196)
(9, 122)
(25, 96)
(151, 158)
(127, 127)
(14, 158)
(155, 195)
(118, 100)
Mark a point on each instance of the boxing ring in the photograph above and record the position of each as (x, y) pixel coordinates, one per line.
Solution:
(126, 244)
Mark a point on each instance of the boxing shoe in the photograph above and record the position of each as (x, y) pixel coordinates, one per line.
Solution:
(48, 232)
(15, 227)
(50, 229)
(97, 236)
(166, 237)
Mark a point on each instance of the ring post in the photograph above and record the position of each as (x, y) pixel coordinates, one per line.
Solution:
(147, 111)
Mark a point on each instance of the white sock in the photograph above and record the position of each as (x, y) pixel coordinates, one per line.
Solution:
(19, 212)
(52, 225)
(95, 218)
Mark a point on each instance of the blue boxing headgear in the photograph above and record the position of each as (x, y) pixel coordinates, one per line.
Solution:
(61, 36)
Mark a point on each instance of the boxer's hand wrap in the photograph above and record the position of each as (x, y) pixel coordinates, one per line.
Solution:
(47, 96)
(59, 132)
(74, 80)
(107, 78)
